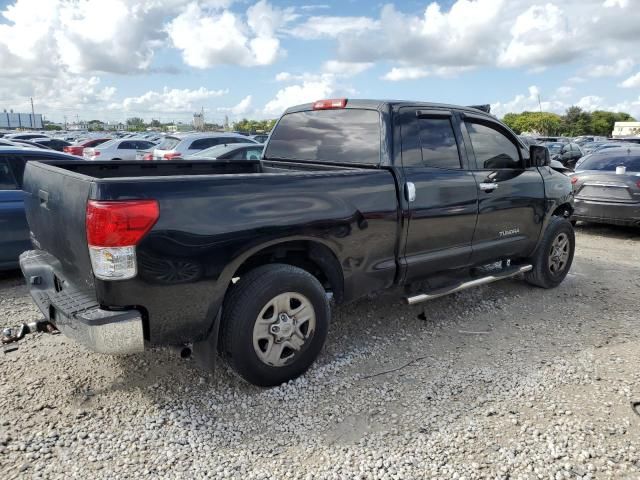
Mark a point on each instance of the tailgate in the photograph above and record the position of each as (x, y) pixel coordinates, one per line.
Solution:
(55, 204)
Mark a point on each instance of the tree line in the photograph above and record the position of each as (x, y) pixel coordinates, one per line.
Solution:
(574, 122)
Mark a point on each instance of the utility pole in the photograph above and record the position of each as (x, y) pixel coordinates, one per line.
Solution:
(539, 103)
(33, 115)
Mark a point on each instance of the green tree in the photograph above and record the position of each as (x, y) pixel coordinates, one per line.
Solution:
(544, 123)
(135, 124)
(251, 126)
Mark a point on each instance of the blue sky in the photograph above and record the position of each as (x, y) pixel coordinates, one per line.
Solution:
(165, 59)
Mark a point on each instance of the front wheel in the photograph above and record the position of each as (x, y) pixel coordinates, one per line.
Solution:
(554, 256)
(274, 324)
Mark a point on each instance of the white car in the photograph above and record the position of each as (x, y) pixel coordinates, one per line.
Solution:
(119, 149)
(180, 146)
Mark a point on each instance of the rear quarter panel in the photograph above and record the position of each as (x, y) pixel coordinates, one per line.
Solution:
(209, 226)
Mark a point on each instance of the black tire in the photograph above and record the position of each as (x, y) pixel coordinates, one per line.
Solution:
(244, 304)
(543, 274)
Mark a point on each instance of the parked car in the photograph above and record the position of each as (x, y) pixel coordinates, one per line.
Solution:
(569, 155)
(259, 137)
(120, 149)
(175, 147)
(351, 197)
(29, 143)
(13, 222)
(53, 143)
(24, 136)
(554, 147)
(607, 187)
(235, 151)
(78, 148)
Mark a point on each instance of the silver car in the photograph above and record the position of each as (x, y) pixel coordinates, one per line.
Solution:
(606, 187)
(179, 146)
(119, 149)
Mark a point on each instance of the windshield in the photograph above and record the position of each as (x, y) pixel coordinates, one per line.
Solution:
(168, 143)
(554, 147)
(610, 162)
(215, 151)
(339, 135)
(106, 144)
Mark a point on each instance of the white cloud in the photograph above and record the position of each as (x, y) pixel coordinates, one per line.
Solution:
(619, 67)
(406, 73)
(632, 82)
(168, 100)
(345, 69)
(308, 91)
(540, 36)
(331, 27)
(211, 37)
(241, 108)
(564, 91)
(414, 73)
(616, 3)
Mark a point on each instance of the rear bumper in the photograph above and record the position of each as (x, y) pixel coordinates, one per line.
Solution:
(607, 212)
(75, 312)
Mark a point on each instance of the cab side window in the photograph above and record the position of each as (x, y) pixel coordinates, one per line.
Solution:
(7, 180)
(492, 148)
(438, 143)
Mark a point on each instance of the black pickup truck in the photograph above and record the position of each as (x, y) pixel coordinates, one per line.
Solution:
(243, 258)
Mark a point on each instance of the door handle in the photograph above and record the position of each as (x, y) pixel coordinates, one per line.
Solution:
(410, 191)
(488, 187)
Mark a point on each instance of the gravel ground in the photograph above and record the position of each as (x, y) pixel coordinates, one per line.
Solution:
(505, 381)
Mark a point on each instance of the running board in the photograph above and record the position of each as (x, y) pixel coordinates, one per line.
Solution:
(509, 272)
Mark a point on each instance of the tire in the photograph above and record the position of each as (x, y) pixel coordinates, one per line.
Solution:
(254, 308)
(548, 271)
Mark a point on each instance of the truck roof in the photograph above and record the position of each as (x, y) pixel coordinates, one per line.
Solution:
(383, 104)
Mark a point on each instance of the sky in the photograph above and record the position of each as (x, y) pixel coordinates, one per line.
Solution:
(166, 59)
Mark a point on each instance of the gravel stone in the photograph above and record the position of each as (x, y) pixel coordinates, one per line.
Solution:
(543, 393)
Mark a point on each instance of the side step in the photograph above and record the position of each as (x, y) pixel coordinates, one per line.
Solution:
(509, 272)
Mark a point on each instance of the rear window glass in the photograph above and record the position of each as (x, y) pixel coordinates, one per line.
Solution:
(341, 136)
(168, 143)
(610, 162)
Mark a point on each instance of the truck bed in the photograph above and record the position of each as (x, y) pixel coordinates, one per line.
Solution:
(213, 216)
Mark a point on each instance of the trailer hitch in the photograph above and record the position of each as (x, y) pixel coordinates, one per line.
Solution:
(10, 336)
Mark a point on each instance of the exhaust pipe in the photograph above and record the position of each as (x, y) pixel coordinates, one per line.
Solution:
(184, 351)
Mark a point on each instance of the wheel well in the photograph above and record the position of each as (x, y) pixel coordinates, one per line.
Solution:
(564, 210)
(313, 257)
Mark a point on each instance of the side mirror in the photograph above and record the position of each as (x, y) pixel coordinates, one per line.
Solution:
(539, 156)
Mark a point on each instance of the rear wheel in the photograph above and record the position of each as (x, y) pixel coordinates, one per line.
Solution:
(554, 256)
(274, 324)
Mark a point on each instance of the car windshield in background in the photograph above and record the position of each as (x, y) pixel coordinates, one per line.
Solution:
(554, 147)
(168, 143)
(215, 151)
(107, 144)
(339, 136)
(610, 162)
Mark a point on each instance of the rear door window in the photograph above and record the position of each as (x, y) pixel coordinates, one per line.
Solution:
(127, 145)
(342, 136)
(438, 143)
(7, 180)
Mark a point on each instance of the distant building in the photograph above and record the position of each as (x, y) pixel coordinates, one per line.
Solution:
(115, 126)
(179, 127)
(626, 129)
(198, 121)
(20, 120)
(78, 126)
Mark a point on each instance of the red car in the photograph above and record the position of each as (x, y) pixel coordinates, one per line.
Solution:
(78, 148)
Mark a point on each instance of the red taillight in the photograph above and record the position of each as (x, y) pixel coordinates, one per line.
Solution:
(95, 153)
(120, 223)
(330, 103)
(147, 156)
(171, 155)
(66, 149)
(574, 180)
(638, 183)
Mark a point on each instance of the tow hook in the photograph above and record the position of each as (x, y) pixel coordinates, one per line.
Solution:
(10, 336)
